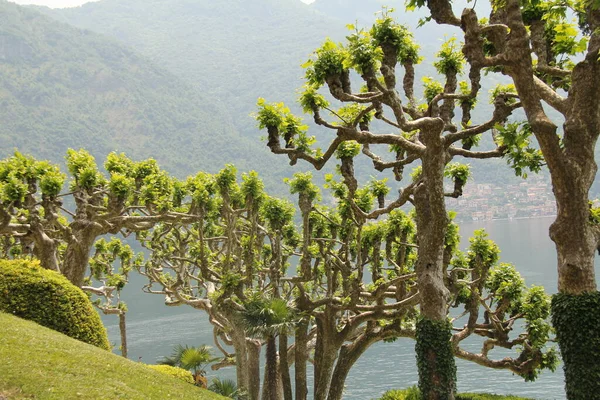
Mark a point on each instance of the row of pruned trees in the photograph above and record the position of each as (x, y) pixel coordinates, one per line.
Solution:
(532, 43)
(326, 295)
(320, 293)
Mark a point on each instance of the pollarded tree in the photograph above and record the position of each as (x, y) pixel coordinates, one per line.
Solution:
(551, 51)
(355, 283)
(213, 261)
(426, 133)
(61, 229)
(110, 266)
(134, 196)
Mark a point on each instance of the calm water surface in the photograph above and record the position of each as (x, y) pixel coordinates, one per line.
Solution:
(153, 328)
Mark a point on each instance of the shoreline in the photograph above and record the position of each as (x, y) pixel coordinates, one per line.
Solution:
(506, 219)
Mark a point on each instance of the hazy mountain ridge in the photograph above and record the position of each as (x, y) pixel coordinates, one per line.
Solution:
(64, 87)
(236, 51)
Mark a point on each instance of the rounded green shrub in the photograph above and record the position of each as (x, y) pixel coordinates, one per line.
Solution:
(46, 297)
(175, 372)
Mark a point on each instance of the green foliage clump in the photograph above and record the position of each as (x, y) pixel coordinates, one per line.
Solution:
(175, 372)
(48, 298)
(431, 88)
(519, 155)
(348, 149)
(302, 184)
(458, 172)
(576, 320)
(362, 54)
(450, 58)
(386, 31)
(277, 212)
(329, 61)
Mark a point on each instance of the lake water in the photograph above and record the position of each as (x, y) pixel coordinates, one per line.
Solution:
(153, 328)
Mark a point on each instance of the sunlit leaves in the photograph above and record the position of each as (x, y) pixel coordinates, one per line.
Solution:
(485, 251)
(121, 186)
(362, 54)
(506, 282)
(379, 187)
(311, 100)
(118, 163)
(431, 88)
(519, 155)
(457, 172)
(83, 168)
(450, 58)
(348, 149)
(503, 90)
(252, 186)
(277, 212)
(270, 115)
(386, 31)
(349, 113)
(567, 41)
(302, 184)
(328, 61)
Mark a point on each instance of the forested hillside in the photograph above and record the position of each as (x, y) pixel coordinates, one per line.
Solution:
(63, 87)
(236, 51)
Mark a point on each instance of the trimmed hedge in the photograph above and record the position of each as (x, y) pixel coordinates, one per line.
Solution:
(46, 297)
(412, 393)
(175, 372)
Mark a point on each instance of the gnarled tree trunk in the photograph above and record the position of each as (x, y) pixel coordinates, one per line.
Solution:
(435, 359)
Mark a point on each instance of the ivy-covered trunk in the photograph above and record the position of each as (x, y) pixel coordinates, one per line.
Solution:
(576, 319)
(572, 168)
(576, 308)
(435, 359)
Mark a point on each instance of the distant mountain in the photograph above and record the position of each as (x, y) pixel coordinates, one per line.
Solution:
(235, 50)
(239, 50)
(63, 87)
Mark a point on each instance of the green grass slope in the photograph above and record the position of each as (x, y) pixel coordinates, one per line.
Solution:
(43, 364)
(63, 87)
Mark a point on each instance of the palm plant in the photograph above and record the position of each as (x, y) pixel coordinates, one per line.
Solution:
(225, 387)
(266, 318)
(193, 359)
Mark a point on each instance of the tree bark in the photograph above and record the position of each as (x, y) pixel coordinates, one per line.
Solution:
(123, 331)
(271, 383)
(253, 351)
(326, 351)
(284, 368)
(300, 359)
(349, 354)
(77, 254)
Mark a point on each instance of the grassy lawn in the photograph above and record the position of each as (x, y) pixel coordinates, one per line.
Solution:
(38, 363)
